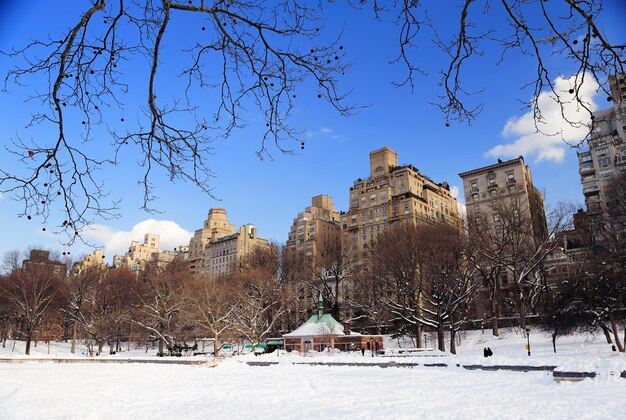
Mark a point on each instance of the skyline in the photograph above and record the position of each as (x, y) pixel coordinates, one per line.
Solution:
(270, 193)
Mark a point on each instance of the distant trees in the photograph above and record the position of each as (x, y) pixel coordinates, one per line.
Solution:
(424, 277)
(212, 306)
(162, 301)
(510, 245)
(32, 296)
(79, 291)
(261, 302)
(595, 296)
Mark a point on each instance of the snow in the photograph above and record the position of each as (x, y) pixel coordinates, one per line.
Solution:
(290, 389)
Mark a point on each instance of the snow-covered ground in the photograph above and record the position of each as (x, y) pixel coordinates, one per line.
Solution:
(287, 390)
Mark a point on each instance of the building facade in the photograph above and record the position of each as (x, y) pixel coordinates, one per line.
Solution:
(316, 225)
(500, 195)
(217, 248)
(314, 234)
(93, 260)
(39, 263)
(605, 156)
(393, 194)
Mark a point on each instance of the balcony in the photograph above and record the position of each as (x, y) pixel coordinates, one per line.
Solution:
(590, 189)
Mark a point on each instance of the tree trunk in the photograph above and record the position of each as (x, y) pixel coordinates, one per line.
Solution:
(28, 340)
(111, 344)
(130, 333)
(215, 349)
(618, 342)
(522, 315)
(100, 347)
(441, 342)
(554, 341)
(73, 350)
(161, 354)
(495, 314)
(607, 334)
(452, 340)
(418, 336)
(452, 336)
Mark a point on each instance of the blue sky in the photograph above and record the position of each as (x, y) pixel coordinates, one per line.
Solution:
(270, 193)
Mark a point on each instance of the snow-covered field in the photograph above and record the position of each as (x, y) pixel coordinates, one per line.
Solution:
(287, 390)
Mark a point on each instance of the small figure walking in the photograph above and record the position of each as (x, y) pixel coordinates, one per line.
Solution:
(485, 352)
(363, 351)
(489, 352)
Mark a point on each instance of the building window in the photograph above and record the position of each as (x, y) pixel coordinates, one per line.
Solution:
(496, 217)
(492, 181)
(510, 178)
(475, 197)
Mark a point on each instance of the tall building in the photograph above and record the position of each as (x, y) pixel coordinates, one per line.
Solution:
(316, 225)
(139, 255)
(496, 196)
(95, 259)
(393, 194)
(506, 183)
(39, 263)
(217, 248)
(606, 155)
(313, 233)
(227, 252)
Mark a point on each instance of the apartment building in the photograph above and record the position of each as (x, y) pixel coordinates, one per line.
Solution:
(605, 156)
(95, 259)
(393, 194)
(497, 195)
(139, 255)
(39, 263)
(313, 236)
(217, 248)
(504, 186)
(316, 225)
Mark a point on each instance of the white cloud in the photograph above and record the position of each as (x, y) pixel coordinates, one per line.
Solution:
(117, 242)
(323, 132)
(549, 144)
(456, 193)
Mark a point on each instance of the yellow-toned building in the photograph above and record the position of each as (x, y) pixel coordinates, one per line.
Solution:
(95, 259)
(392, 194)
(317, 224)
(139, 254)
(218, 248)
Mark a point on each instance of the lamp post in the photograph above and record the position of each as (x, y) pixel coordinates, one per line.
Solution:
(528, 340)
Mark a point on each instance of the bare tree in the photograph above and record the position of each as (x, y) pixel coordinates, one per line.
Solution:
(436, 287)
(213, 303)
(526, 255)
(603, 287)
(110, 301)
(254, 55)
(261, 301)
(259, 52)
(12, 260)
(395, 262)
(80, 287)
(328, 271)
(162, 301)
(32, 296)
